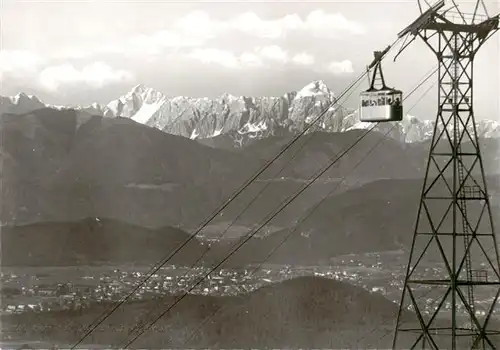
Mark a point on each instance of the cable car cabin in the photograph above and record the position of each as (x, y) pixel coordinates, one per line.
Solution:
(381, 105)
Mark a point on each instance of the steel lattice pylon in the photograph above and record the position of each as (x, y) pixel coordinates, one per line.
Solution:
(454, 263)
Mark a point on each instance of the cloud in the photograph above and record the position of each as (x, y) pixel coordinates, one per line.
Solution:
(303, 59)
(27, 66)
(266, 57)
(95, 75)
(259, 57)
(198, 24)
(340, 67)
(321, 24)
(19, 63)
(250, 23)
(155, 43)
(222, 57)
(196, 29)
(317, 23)
(273, 53)
(250, 59)
(152, 44)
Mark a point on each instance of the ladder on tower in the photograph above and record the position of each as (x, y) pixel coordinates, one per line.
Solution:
(454, 101)
(466, 236)
(466, 233)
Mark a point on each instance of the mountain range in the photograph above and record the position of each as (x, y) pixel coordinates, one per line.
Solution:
(99, 185)
(242, 119)
(65, 165)
(378, 216)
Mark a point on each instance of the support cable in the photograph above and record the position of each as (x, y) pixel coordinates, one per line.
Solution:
(220, 236)
(315, 207)
(296, 226)
(250, 235)
(158, 266)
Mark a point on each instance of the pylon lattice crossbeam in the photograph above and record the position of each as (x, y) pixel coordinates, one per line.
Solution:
(452, 283)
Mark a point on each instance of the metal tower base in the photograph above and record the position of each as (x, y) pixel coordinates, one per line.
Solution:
(452, 282)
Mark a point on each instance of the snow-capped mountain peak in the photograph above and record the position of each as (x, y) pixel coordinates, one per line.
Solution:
(412, 129)
(24, 98)
(316, 88)
(242, 117)
(138, 104)
(489, 128)
(144, 93)
(227, 97)
(95, 105)
(139, 88)
(20, 104)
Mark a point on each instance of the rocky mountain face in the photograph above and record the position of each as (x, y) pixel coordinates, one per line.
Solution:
(23, 103)
(411, 129)
(235, 121)
(230, 121)
(254, 117)
(20, 104)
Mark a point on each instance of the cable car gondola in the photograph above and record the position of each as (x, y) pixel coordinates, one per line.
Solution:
(383, 104)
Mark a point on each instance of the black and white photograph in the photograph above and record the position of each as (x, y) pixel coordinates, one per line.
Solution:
(243, 174)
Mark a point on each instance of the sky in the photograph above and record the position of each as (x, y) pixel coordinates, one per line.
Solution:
(79, 52)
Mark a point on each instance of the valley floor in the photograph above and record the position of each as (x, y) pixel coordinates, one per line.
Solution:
(55, 304)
